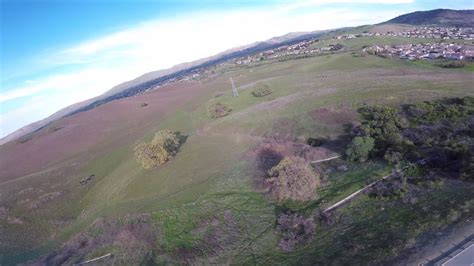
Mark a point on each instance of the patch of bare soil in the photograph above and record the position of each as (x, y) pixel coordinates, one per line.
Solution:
(131, 238)
(270, 152)
(278, 102)
(45, 198)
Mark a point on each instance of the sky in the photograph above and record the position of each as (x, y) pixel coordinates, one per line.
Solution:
(54, 53)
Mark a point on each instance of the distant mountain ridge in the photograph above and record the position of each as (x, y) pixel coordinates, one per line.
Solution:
(439, 17)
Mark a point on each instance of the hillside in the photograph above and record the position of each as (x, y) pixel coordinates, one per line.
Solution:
(439, 17)
(156, 78)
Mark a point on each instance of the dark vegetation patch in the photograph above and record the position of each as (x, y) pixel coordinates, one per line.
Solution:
(130, 239)
(217, 110)
(295, 230)
(435, 134)
(269, 153)
(86, 180)
(389, 189)
(316, 142)
(452, 64)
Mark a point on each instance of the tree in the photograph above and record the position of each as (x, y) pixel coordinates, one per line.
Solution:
(164, 145)
(292, 179)
(359, 148)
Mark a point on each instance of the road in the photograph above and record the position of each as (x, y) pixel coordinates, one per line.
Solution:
(461, 254)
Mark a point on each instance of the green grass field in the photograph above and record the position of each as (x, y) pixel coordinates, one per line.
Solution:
(211, 178)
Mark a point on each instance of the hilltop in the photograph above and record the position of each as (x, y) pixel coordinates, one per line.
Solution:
(439, 17)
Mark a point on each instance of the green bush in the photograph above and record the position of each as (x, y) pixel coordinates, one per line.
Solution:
(217, 110)
(161, 149)
(393, 157)
(359, 148)
(262, 89)
(315, 142)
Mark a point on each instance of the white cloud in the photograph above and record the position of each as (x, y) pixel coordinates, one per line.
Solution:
(104, 62)
(313, 3)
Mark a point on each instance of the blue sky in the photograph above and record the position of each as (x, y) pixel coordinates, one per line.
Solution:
(56, 53)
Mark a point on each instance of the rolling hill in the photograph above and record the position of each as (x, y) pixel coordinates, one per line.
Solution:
(73, 191)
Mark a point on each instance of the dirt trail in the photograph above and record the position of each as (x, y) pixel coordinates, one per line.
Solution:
(355, 194)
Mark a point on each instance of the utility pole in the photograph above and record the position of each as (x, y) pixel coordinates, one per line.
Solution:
(235, 92)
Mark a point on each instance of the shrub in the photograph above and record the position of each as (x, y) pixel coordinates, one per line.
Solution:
(359, 148)
(292, 179)
(315, 142)
(161, 149)
(262, 89)
(295, 230)
(217, 110)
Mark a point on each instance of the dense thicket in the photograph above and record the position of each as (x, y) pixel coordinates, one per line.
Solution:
(440, 132)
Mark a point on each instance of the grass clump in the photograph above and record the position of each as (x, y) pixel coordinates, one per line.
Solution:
(262, 89)
(217, 110)
(161, 149)
(292, 179)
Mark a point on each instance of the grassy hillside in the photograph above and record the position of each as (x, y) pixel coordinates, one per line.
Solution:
(205, 205)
